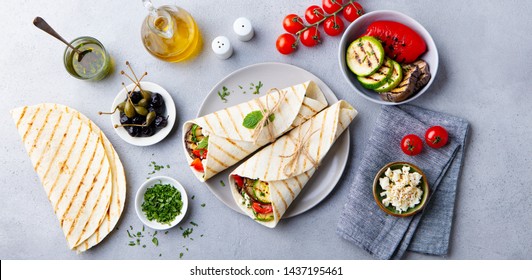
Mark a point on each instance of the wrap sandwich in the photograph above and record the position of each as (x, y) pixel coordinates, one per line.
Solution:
(218, 140)
(267, 183)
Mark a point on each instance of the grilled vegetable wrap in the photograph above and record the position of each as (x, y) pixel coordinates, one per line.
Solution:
(218, 140)
(267, 183)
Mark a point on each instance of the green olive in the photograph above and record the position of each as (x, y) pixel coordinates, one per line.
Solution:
(143, 103)
(141, 110)
(121, 106)
(146, 94)
(129, 110)
(150, 118)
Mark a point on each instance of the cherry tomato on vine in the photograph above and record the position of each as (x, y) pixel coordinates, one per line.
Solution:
(436, 137)
(310, 37)
(333, 26)
(331, 6)
(292, 23)
(411, 145)
(352, 11)
(314, 14)
(286, 43)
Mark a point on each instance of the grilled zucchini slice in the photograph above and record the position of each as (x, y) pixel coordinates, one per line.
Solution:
(365, 56)
(393, 80)
(378, 78)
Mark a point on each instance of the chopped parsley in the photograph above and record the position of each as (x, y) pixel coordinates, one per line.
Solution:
(155, 241)
(162, 203)
(193, 197)
(203, 205)
(257, 87)
(156, 167)
(180, 255)
(222, 183)
(194, 224)
(187, 232)
(224, 93)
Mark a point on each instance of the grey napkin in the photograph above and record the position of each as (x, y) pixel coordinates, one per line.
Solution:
(387, 237)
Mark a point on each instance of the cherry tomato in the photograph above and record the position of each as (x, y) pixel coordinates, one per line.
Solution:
(238, 180)
(202, 153)
(436, 137)
(197, 165)
(310, 37)
(352, 11)
(292, 23)
(314, 14)
(286, 43)
(333, 26)
(262, 208)
(411, 145)
(331, 6)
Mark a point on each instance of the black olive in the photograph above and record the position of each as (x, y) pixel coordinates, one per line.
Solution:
(161, 121)
(148, 130)
(159, 111)
(138, 120)
(136, 96)
(124, 119)
(156, 100)
(134, 131)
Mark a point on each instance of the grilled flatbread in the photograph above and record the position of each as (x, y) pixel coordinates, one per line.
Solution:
(118, 195)
(284, 172)
(229, 141)
(71, 160)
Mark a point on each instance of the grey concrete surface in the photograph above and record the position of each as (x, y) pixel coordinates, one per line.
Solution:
(484, 77)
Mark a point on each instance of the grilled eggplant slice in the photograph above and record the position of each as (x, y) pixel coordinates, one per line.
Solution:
(424, 77)
(411, 74)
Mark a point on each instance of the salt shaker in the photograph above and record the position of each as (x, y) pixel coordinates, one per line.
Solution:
(222, 47)
(243, 29)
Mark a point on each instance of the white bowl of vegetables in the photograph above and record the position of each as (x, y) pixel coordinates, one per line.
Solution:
(390, 66)
(161, 203)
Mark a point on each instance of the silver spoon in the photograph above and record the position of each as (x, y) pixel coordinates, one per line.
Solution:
(43, 25)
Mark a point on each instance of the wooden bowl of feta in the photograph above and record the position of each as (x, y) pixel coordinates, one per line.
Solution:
(400, 189)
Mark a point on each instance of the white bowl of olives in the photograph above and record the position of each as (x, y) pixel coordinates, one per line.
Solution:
(146, 116)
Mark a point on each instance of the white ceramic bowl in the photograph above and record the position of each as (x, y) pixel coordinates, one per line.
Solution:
(139, 199)
(359, 26)
(161, 134)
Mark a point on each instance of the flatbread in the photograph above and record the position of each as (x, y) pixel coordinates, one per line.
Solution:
(269, 165)
(72, 161)
(230, 141)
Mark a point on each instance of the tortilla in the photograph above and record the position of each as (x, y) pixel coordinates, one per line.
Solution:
(230, 141)
(283, 169)
(71, 158)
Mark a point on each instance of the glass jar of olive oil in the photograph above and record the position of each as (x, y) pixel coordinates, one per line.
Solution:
(91, 63)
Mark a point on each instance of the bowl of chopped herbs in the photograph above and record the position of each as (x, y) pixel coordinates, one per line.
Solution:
(161, 202)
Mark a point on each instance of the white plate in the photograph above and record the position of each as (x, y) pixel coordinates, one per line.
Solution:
(161, 134)
(359, 26)
(277, 75)
(139, 199)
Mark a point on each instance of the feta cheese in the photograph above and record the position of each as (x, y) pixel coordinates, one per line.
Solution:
(401, 188)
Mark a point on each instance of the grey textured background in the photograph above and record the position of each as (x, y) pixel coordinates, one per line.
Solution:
(484, 77)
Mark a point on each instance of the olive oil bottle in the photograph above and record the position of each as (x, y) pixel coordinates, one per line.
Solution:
(170, 33)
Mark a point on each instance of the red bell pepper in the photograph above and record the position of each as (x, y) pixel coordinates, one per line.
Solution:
(399, 41)
(197, 165)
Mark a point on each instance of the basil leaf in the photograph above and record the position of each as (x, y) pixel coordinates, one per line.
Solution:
(203, 143)
(271, 118)
(252, 119)
(193, 133)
